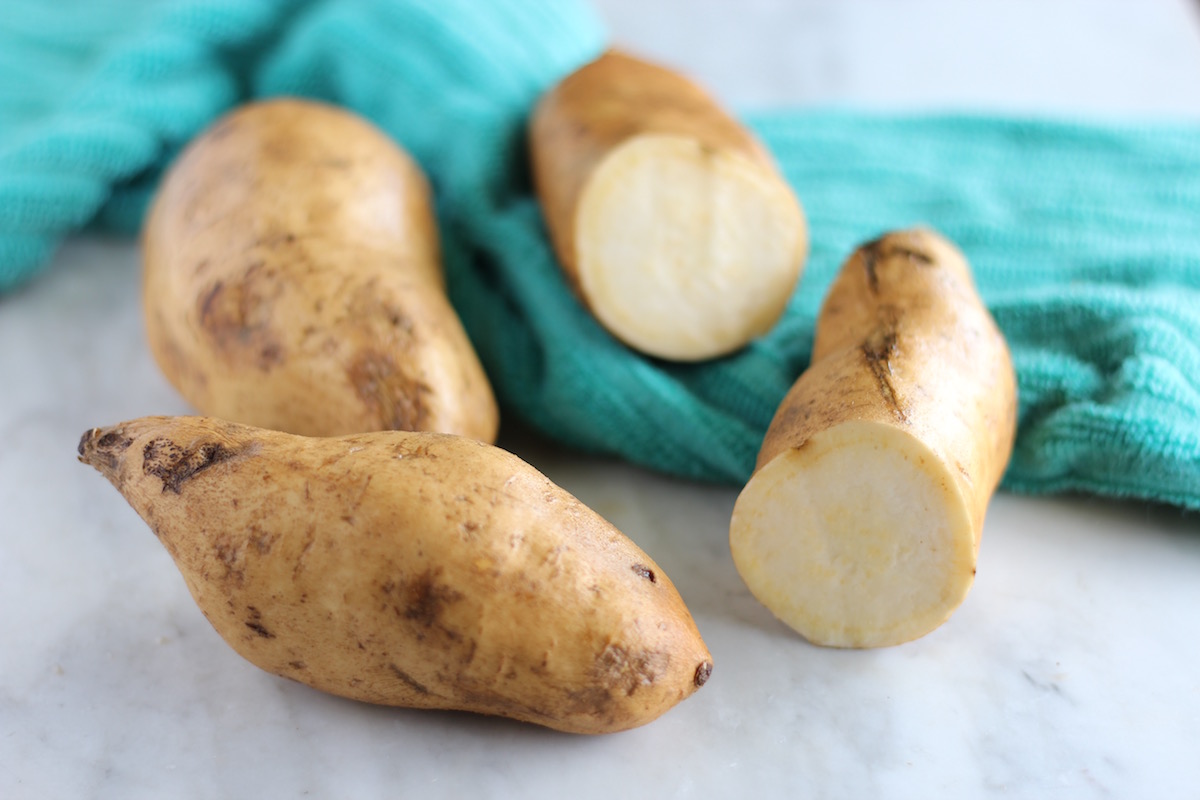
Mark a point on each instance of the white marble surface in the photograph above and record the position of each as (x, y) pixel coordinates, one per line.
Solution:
(1073, 669)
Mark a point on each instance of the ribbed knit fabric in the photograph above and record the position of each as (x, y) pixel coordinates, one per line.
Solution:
(1084, 237)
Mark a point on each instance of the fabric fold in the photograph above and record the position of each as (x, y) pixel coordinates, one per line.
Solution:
(1084, 236)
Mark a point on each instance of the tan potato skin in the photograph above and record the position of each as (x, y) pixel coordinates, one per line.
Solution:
(903, 339)
(600, 106)
(292, 281)
(409, 569)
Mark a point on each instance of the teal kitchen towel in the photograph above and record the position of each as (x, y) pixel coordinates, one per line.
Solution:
(1084, 236)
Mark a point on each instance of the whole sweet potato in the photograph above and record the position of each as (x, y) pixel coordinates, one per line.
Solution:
(409, 569)
(292, 281)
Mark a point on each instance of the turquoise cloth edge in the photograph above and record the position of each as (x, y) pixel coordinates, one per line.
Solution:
(1084, 236)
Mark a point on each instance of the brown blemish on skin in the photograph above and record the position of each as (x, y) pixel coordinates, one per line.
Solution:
(423, 600)
(297, 665)
(232, 555)
(309, 540)
(209, 299)
(113, 439)
(870, 255)
(262, 543)
(643, 571)
(175, 465)
(621, 669)
(702, 673)
(270, 354)
(886, 247)
(399, 401)
(257, 627)
(542, 667)
(236, 316)
(879, 349)
(398, 320)
(385, 370)
(104, 451)
(451, 634)
(255, 623)
(408, 680)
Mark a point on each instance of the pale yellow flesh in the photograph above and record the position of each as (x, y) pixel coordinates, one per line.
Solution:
(858, 539)
(685, 252)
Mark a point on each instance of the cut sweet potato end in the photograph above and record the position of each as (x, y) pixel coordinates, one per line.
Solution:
(686, 252)
(860, 538)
